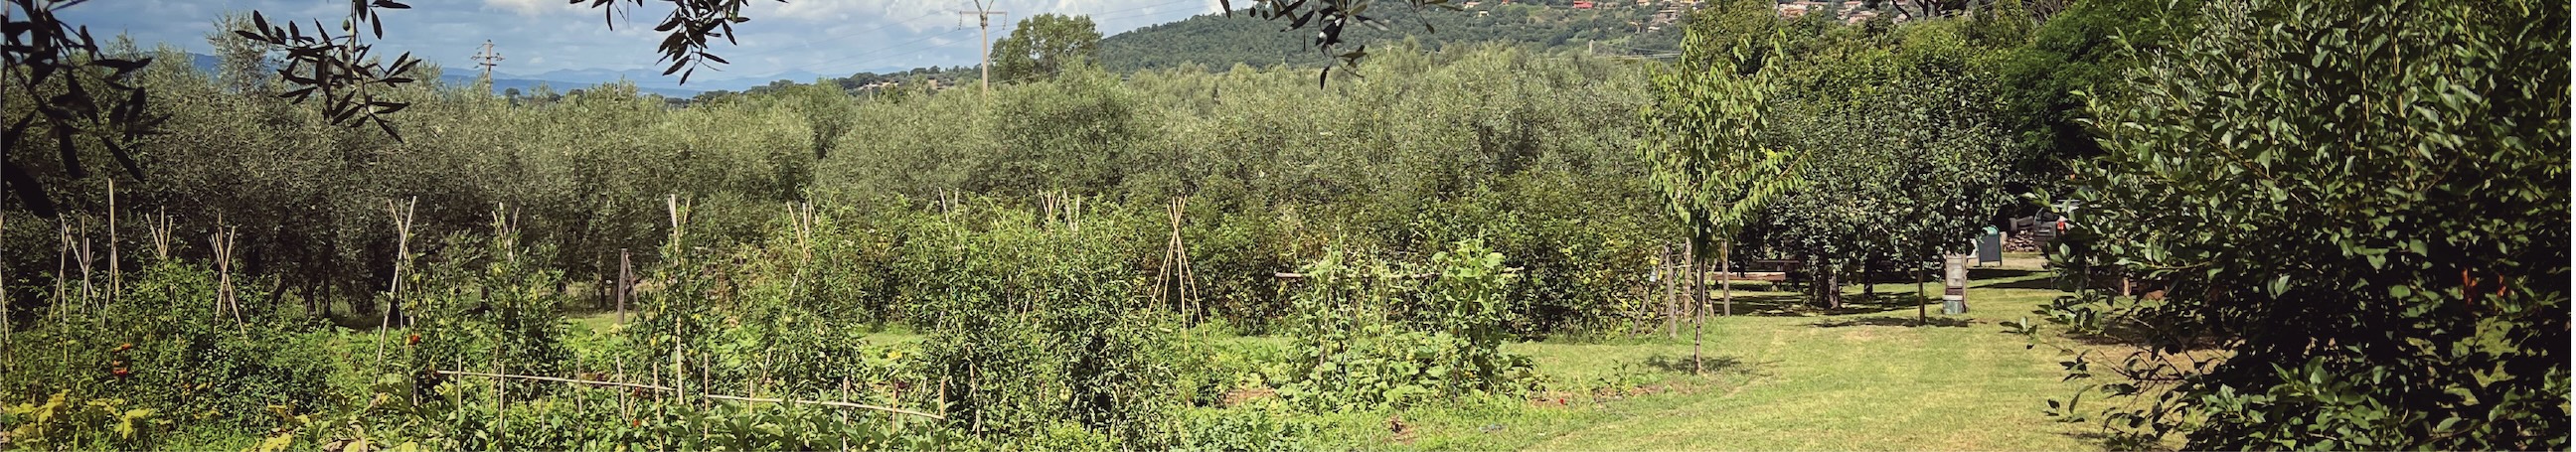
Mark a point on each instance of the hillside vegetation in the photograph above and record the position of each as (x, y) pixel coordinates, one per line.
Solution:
(1217, 42)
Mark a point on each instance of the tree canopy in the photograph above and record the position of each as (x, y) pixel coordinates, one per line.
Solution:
(2356, 214)
(1044, 45)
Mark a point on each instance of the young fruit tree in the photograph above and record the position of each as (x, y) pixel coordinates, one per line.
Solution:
(1706, 148)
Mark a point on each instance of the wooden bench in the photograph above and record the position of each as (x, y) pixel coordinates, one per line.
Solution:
(1773, 265)
(1785, 273)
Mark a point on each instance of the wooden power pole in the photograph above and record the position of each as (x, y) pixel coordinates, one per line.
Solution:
(983, 34)
(487, 59)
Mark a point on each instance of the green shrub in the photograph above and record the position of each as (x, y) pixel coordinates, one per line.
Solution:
(2361, 206)
(486, 305)
(60, 423)
(1371, 337)
(1033, 322)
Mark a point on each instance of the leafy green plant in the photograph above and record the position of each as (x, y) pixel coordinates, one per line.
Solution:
(2355, 214)
(487, 305)
(163, 346)
(1370, 337)
(64, 424)
(1031, 321)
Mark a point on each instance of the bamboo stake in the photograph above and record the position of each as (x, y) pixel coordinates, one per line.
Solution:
(402, 258)
(460, 414)
(625, 411)
(845, 416)
(83, 257)
(1189, 286)
(222, 242)
(1672, 306)
(625, 284)
(678, 259)
(162, 224)
(625, 277)
(115, 267)
(62, 265)
(88, 292)
(8, 333)
(1174, 283)
(706, 382)
(501, 395)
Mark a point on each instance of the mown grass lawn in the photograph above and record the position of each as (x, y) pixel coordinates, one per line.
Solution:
(1865, 380)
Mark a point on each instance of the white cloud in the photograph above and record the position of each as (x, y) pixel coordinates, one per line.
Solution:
(523, 7)
(848, 11)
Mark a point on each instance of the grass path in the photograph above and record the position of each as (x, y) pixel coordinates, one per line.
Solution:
(1861, 381)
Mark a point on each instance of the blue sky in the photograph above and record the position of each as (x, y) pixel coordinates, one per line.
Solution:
(830, 37)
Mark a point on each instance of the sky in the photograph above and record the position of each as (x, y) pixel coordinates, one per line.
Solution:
(828, 37)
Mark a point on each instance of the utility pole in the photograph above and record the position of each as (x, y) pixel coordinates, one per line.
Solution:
(983, 33)
(487, 59)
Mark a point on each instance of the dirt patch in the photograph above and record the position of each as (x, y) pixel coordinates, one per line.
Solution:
(1556, 399)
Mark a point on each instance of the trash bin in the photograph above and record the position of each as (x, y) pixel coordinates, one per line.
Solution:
(1990, 247)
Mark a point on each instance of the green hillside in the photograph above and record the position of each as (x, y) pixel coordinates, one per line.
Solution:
(1218, 42)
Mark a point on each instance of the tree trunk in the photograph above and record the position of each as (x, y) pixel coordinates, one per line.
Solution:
(1869, 278)
(1833, 286)
(1921, 313)
(1699, 298)
(1672, 306)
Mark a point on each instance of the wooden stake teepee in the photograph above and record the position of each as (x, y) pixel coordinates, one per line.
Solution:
(1174, 281)
(402, 260)
(225, 299)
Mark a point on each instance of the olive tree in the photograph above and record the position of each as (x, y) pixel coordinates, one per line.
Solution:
(1045, 45)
